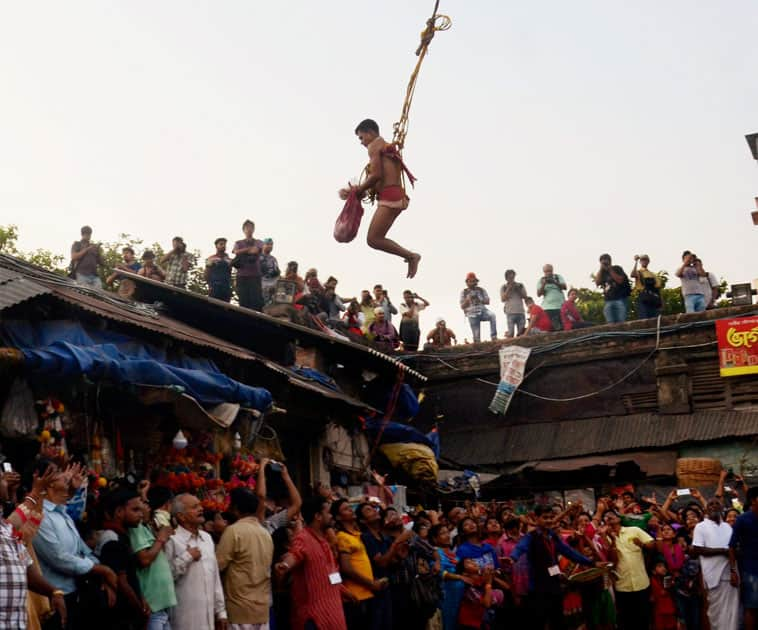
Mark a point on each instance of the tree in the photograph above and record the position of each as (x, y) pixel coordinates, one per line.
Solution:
(111, 253)
(590, 302)
(41, 257)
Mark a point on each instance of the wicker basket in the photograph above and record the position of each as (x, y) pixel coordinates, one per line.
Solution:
(693, 472)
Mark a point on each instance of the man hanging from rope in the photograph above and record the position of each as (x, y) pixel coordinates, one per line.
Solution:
(384, 182)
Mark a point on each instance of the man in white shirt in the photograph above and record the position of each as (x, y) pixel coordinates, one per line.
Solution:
(711, 543)
(192, 556)
(410, 307)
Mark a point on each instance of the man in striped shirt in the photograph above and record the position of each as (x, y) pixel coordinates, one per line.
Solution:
(317, 588)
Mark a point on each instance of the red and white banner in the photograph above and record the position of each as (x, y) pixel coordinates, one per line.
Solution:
(738, 345)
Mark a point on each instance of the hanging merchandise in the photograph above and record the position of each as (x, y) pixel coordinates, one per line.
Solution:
(18, 418)
(51, 433)
(180, 442)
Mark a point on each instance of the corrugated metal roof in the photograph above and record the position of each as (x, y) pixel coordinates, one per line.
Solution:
(15, 288)
(182, 298)
(111, 306)
(499, 445)
(177, 330)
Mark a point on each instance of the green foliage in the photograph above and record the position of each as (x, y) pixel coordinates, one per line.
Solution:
(590, 301)
(109, 251)
(41, 257)
(47, 260)
(112, 256)
(8, 238)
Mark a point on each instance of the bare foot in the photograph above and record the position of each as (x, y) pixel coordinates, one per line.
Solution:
(413, 261)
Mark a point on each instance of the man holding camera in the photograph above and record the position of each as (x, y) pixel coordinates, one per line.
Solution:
(410, 308)
(177, 263)
(648, 284)
(382, 300)
(616, 290)
(696, 293)
(550, 288)
(86, 257)
(474, 300)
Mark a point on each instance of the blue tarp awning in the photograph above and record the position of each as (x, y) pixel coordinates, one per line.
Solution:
(64, 349)
(395, 432)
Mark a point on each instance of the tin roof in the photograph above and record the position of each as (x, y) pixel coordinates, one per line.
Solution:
(506, 445)
(31, 281)
(260, 330)
(16, 288)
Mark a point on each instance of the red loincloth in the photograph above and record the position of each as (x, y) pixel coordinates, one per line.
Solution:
(393, 197)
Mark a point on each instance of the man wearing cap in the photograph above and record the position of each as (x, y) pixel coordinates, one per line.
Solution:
(218, 272)
(473, 301)
(269, 271)
(86, 257)
(513, 294)
(648, 285)
(441, 336)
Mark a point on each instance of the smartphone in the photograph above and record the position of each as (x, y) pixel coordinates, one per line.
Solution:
(682, 492)
(728, 489)
(275, 466)
(7, 467)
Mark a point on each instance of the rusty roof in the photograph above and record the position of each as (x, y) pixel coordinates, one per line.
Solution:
(499, 445)
(16, 288)
(110, 306)
(226, 320)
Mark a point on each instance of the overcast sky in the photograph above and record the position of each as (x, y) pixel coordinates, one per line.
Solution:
(541, 132)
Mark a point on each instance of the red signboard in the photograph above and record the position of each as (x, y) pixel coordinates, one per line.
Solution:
(738, 345)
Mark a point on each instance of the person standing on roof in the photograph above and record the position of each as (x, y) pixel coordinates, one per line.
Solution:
(474, 300)
(247, 261)
(86, 257)
(218, 272)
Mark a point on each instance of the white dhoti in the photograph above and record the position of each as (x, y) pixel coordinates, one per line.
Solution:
(724, 604)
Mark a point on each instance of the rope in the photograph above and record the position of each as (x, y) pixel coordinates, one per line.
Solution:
(387, 415)
(433, 24)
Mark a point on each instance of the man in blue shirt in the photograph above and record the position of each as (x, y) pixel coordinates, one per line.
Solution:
(743, 553)
(542, 547)
(63, 556)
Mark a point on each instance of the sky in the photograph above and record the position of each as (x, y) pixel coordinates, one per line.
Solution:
(541, 132)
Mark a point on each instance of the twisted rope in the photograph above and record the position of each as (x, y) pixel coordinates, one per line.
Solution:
(435, 23)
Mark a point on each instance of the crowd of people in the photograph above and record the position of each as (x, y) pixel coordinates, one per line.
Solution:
(253, 274)
(558, 310)
(134, 556)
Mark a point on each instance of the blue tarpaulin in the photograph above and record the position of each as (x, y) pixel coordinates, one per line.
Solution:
(61, 349)
(395, 433)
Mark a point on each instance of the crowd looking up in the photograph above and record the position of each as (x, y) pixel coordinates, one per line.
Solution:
(135, 556)
(252, 273)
